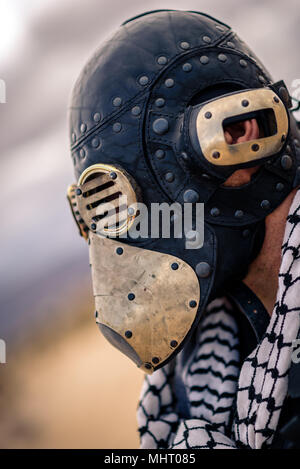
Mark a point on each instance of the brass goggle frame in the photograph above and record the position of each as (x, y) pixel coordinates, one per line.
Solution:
(210, 132)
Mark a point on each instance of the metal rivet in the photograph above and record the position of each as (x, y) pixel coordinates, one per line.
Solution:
(160, 126)
(216, 154)
(119, 251)
(206, 39)
(203, 270)
(230, 44)
(159, 154)
(95, 142)
(136, 110)
(184, 156)
(215, 212)
(169, 82)
(191, 235)
(73, 137)
(245, 103)
(128, 334)
(113, 175)
(117, 101)
(265, 204)
(243, 63)
(117, 127)
(155, 360)
(261, 79)
(174, 266)
(192, 304)
(255, 147)
(220, 28)
(78, 192)
(131, 296)
(190, 196)
(187, 67)
(148, 366)
(222, 57)
(83, 128)
(131, 211)
(286, 162)
(239, 213)
(204, 59)
(173, 343)
(93, 226)
(144, 80)
(82, 153)
(184, 45)
(208, 115)
(279, 186)
(276, 100)
(162, 60)
(159, 102)
(96, 117)
(245, 233)
(169, 177)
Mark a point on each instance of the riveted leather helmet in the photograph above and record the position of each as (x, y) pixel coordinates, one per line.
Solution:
(147, 120)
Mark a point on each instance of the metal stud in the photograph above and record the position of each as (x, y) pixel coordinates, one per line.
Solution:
(192, 304)
(159, 154)
(173, 343)
(144, 80)
(245, 103)
(169, 177)
(203, 270)
(191, 235)
(216, 155)
(262, 79)
(279, 187)
(239, 213)
(222, 57)
(187, 67)
(83, 128)
(204, 59)
(93, 226)
(162, 60)
(243, 63)
(117, 101)
(78, 191)
(265, 204)
(184, 45)
(174, 266)
(131, 296)
(160, 126)
(208, 115)
(96, 117)
(286, 162)
(190, 196)
(113, 175)
(255, 147)
(215, 212)
(82, 153)
(128, 334)
(169, 82)
(117, 127)
(220, 28)
(206, 39)
(159, 102)
(95, 142)
(155, 360)
(230, 44)
(119, 251)
(136, 110)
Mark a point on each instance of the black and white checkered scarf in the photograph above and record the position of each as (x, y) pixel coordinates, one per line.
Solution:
(230, 404)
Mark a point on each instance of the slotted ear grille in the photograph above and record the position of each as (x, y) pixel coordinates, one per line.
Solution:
(107, 198)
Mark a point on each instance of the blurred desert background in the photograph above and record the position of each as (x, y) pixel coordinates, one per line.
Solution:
(63, 385)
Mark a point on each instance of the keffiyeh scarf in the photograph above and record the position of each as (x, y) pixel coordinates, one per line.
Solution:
(222, 402)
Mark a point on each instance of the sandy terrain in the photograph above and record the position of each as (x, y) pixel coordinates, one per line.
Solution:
(70, 390)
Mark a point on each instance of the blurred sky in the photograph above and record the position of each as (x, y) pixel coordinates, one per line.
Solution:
(43, 46)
